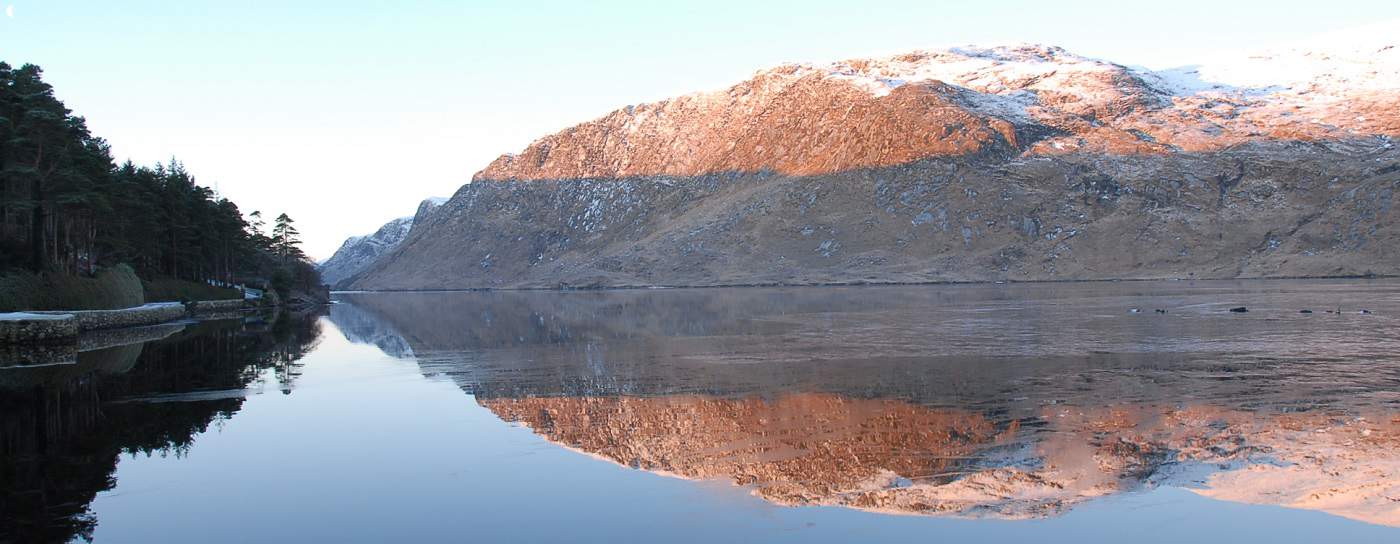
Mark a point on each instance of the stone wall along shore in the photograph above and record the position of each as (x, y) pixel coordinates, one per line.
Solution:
(217, 306)
(146, 314)
(36, 327)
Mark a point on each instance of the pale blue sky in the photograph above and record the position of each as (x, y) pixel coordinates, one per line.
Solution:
(346, 113)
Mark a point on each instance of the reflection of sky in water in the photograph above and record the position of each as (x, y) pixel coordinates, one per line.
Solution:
(371, 447)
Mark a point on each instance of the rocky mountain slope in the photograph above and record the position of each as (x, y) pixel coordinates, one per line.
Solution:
(966, 164)
(359, 252)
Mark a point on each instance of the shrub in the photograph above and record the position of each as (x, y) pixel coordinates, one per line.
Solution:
(112, 288)
(173, 290)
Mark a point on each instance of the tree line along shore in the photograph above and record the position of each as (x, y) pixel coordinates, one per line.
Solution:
(79, 231)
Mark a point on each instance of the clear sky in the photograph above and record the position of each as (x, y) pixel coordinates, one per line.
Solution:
(346, 113)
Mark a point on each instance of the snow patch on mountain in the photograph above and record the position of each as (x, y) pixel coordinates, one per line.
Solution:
(1334, 64)
(1014, 72)
(1007, 79)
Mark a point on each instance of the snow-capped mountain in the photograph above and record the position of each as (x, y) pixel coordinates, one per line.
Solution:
(969, 163)
(359, 252)
(1026, 100)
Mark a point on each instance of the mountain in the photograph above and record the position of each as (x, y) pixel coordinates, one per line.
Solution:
(359, 252)
(966, 164)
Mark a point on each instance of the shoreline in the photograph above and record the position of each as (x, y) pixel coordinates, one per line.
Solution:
(65, 327)
(863, 283)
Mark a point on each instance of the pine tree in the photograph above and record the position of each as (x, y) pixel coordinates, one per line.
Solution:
(256, 225)
(55, 167)
(286, 239)
(66, 207)
(39, 147)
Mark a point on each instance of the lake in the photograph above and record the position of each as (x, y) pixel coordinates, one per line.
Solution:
(1072, 412)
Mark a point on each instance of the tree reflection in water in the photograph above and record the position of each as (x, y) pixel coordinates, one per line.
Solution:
(64, 426)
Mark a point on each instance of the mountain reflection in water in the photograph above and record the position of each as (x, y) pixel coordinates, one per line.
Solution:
(1017, 401)
(1008, 402)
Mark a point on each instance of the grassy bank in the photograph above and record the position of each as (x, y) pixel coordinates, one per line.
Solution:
(115, 287)
(112, 288)
(172, 290)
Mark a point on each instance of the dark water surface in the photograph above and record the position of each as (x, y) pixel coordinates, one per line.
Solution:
(995, 413)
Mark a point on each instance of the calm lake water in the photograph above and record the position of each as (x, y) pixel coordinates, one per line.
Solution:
(993, 413)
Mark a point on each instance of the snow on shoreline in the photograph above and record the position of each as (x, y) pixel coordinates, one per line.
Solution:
(26, 316)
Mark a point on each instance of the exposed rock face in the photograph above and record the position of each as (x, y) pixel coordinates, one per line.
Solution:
(359, 252)
(803, 119)
(1013, 163)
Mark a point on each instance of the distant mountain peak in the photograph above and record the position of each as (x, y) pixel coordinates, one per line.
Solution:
(359, 252)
